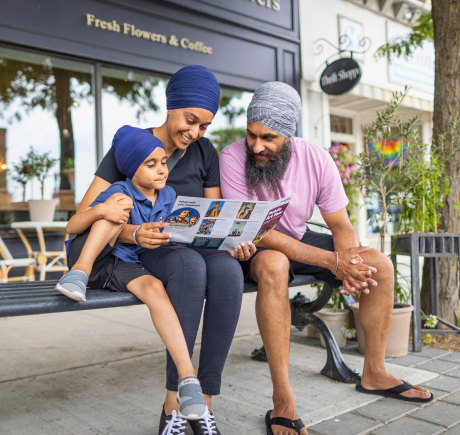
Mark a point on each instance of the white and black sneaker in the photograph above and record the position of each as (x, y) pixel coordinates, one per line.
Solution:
(205, 426)
(172, 424)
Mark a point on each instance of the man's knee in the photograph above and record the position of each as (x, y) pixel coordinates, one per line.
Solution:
(270, 267)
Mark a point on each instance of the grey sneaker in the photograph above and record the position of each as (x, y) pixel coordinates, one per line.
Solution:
(205, 426)
(73, 284)
(190, 397)
(172, 424)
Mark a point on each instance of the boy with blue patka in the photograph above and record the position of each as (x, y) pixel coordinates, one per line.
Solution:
(97, 260)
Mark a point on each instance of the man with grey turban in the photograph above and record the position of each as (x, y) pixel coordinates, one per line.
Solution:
(271, 163)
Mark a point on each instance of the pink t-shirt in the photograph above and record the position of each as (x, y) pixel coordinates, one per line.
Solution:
(311, 176)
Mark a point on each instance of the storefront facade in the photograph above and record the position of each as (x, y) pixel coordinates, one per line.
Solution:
(73, 72)
(339, 120)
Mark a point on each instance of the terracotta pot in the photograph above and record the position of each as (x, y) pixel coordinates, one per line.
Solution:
(335, 320)
(42, 210)
(398, 335)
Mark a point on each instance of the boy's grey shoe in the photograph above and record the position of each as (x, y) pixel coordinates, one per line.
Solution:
(205, 426)
(190, 397)
(172, 424)
(73, 284)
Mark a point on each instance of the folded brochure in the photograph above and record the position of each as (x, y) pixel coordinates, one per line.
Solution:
(222, 224)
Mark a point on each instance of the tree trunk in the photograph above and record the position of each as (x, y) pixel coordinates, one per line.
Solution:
(64, 119)
(446, 19)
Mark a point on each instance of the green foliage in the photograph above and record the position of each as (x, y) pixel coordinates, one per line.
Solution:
(69, 164)
(41, 165)
(401, 294)
(405, 46)
(226, 136)
(22, 173)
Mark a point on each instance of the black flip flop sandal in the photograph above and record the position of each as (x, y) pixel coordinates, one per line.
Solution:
(297, 425)
(394, 393)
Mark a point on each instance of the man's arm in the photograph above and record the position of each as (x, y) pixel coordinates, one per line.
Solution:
(356, 275)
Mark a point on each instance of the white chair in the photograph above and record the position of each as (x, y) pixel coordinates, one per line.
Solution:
(9, 262)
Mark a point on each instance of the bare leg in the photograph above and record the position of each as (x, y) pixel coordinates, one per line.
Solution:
(102, 232)
(375, 311)
(151, 291)
(270, 269)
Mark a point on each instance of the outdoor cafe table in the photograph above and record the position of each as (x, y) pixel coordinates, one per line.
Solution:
(47, 261)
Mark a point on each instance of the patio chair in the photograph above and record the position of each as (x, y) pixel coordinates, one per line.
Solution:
(9, 263)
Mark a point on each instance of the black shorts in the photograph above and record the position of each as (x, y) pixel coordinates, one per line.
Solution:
(108, 272)
(318, 240)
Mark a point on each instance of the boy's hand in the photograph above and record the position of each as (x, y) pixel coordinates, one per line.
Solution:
(150, 237)
(116, 209)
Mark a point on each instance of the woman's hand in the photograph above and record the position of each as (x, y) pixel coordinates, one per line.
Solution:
(243, 252)
(149, 236)
(116, 208)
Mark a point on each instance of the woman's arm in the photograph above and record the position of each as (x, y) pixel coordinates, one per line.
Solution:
(81, 221)
(212, 192)
(97, 186)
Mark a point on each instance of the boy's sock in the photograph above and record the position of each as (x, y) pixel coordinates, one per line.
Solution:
(192, 405)
(73, 284)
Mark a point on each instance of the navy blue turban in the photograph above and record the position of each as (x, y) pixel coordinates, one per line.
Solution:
(131, 147)
(193, 86)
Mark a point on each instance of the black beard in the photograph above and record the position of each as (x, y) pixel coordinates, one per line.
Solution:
(270, 174)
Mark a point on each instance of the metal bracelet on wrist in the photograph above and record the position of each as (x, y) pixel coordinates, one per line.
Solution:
(337, 267)
(134, 235)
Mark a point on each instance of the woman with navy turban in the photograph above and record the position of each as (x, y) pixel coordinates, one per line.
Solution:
(189, 275)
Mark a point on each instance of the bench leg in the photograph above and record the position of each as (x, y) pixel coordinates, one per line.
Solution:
(336, 368)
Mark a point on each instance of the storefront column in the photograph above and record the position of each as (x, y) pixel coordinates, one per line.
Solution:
(97, 89)
(326, 121)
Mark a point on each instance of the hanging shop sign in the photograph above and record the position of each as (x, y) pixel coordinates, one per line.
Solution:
(340, 76)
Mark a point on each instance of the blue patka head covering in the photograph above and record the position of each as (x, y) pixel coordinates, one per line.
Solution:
(193, 86)
(131, 147)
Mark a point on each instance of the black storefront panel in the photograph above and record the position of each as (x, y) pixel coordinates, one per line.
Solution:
(161, 36)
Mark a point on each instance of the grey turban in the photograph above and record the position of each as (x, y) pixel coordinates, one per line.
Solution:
(277, 106)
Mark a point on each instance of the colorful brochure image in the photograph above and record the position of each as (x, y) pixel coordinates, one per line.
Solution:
(222, 224)
(214, 209)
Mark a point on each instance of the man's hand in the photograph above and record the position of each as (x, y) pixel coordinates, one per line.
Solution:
(243, 252)
(116, 209)
(356, 275)
(149, 236)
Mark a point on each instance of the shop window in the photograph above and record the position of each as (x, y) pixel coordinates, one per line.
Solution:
(229, 125)
(131, 98)
(340, 124)
(46, 102)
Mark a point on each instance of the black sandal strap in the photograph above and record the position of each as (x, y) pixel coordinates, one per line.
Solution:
(297, 425)
(400, 388)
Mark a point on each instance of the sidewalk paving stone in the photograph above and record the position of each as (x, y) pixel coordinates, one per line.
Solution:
(454, 431)
(444, 383)
(409, 360)
(439, 413)
(454, 373)
(453, 398)
(429, 352)
(452, 357)
(345, 424)
(386, 410)
(438, 366)
(408, 426)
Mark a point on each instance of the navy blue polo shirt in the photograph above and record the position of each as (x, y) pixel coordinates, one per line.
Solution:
(142, 212)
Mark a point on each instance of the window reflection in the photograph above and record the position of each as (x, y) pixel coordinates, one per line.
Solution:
(45, 102)
(131, 98)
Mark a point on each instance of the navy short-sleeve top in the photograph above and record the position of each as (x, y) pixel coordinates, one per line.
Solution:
(197, 169)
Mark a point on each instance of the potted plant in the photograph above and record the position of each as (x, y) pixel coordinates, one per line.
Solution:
(69, 171)
(41, 164)
(22, 173)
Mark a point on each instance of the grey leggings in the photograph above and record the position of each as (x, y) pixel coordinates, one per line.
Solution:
(191, 276)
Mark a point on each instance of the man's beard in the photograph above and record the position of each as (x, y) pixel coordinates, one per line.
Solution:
(269, 175)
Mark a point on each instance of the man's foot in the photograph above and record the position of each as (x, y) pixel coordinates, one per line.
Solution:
(172, 424)
(290, 413)
(205, 426)
(192, 405)
(73, 285)
(386, 381)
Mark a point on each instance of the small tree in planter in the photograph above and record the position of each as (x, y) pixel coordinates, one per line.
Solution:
(22, 173)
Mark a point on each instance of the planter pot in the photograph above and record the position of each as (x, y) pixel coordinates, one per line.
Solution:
(42, 210)
(70, 174)
(398, 335)
(335, 320)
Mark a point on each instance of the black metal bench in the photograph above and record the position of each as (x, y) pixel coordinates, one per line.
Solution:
(39, 297)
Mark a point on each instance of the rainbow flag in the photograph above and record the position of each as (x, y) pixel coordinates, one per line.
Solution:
(391, 149)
